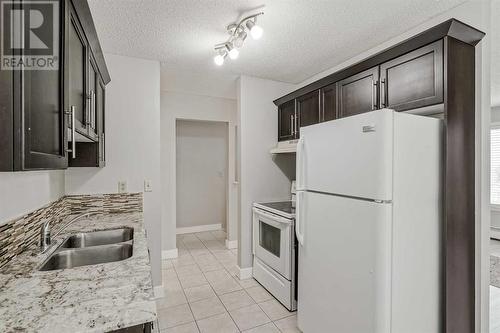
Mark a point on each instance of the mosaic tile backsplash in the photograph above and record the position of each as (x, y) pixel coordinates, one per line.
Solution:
(17, 235)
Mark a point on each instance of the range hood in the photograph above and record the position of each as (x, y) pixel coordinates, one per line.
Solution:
(285, 147)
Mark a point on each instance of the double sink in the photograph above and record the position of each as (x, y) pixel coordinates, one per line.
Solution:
(91, 248)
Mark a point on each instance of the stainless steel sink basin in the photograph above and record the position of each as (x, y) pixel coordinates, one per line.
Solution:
(96, 238)
(69, 258)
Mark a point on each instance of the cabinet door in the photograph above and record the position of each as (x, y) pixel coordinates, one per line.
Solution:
(358, 93)
(92, 153)
(101, 98)
(413, 80)
(93, 82)
(77, 66)
(329, 102)
(286, 121)
(308, 111)
(39, 94)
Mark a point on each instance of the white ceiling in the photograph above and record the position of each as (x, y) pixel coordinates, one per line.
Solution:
(301, 37)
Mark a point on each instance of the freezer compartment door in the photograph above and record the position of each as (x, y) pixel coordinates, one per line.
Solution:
(344, 265)
(350, 156)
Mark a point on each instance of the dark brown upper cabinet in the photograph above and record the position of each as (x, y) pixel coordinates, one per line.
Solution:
(413, 80)
(93, 82)
(88, 90)
(32, 101)
(287, 121)
(308, 111)
(77, 58)
(93, 153)
(36, 126)
(101, 123)
(329, 102)
(358, 93)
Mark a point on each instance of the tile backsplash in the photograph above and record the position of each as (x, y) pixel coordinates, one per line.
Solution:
(18, 234)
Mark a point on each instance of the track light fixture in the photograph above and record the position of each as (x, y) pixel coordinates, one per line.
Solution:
(238, 35)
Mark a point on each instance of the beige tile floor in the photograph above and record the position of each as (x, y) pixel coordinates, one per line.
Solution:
(202, 293)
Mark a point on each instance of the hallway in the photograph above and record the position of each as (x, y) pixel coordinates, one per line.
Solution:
(203, 294)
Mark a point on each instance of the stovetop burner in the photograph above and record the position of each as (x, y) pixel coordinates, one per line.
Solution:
(286, 208)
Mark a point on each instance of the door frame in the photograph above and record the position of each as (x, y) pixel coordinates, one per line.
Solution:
(232, 182)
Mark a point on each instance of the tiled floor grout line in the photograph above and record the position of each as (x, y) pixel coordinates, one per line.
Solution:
(218, 296)
(194, 251)
(209, 284)
(184, 292)
(243, 289)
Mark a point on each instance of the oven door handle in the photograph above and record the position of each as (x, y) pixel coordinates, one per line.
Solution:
(273, 218)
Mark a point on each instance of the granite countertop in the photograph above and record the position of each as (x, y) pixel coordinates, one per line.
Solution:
(95, 298)
(495, 270)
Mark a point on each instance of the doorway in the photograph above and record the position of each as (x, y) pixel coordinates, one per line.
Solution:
(201, 175)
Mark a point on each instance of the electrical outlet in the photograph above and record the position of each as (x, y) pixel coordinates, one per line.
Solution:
(148, 187)
(122, 186)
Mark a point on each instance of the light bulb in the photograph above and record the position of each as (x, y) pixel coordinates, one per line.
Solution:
(255, 30)
(219, 60)
(234, 53)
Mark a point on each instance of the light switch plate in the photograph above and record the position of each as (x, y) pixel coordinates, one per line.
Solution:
(122, 186)
(148, 187)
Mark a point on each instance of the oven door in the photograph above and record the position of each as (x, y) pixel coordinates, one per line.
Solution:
(272, 235)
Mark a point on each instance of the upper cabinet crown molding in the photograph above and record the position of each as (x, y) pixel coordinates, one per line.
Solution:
(451, 28)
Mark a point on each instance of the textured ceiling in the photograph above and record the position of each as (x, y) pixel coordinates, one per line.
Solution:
(301, 37)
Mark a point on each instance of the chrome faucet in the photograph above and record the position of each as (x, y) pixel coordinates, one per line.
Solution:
(45, 240)
(45, 233)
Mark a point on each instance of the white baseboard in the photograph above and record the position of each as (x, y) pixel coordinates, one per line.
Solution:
(245, 273)
(200, 228)
(169, 254)
(495, 233)
(159, 291)
(231, 244)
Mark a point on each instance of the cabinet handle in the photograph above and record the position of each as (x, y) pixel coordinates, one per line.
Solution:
(382, 93)
(374, 93)
(73, 139)
(92, 116)
(103, 153)
(88, 109)
(295, 124)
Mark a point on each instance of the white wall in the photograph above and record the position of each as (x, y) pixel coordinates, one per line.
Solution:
(132, 144)
(202, 163)
(477, 14)
(262, 178)
(176, 105)
(212, 83)
(23, 192)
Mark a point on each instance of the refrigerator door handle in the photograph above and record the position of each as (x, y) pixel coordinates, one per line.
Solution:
(298, 218)
(300, 164)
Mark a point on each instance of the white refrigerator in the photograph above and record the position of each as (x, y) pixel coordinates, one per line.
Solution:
(368, 223)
